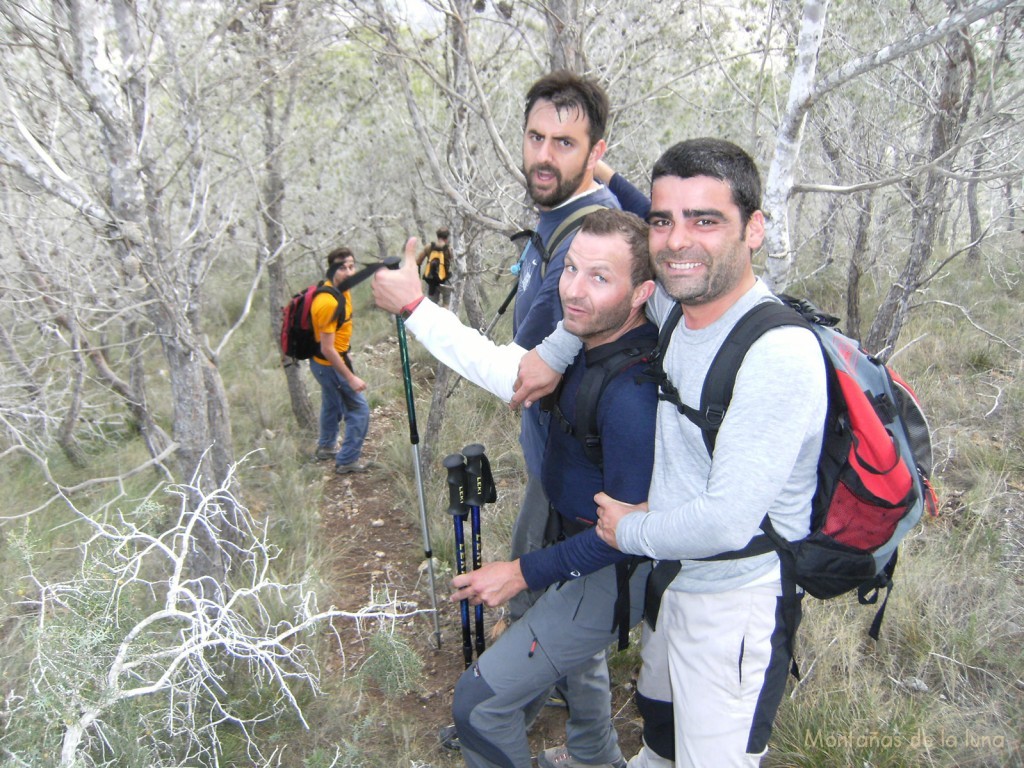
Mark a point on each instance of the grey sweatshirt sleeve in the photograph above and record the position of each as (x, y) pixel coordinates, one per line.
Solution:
(559, 348)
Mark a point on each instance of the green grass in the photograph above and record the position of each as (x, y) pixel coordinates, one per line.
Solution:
(941, 688)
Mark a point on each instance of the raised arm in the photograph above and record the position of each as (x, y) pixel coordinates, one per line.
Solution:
(463, 349)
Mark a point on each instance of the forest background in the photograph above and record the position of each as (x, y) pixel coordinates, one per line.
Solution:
(173, 171)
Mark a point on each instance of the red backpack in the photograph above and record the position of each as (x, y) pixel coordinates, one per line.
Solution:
(297, 339)
(873, 471)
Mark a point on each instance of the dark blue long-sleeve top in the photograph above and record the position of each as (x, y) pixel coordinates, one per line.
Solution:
(625, 420)
(538, 309)
(630, 198)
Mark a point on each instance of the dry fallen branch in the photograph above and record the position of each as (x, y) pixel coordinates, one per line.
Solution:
(139, 621)
(967, 315)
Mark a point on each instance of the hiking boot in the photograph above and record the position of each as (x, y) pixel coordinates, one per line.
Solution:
(324, 452)
(559, 757)
(448, 737)
(353, 468)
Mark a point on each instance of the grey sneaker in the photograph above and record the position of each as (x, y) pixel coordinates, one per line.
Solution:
(354, 467)
(556, 700)
(325, 452)
(559, 757)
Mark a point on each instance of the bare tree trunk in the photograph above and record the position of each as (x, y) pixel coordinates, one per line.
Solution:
(855, 269)
(473, 300)
(928, 199)
(977, 232)
(272, 36)
(565, 35)
(1011, 22)
(832, 219)
(1011, 205)
(66, 434)
(789, 137)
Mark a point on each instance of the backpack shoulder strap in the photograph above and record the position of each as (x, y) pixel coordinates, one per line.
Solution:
(655, 371)
(608, 362)
(339, 313)
(716, 393)
(603, 364)
(569, 225)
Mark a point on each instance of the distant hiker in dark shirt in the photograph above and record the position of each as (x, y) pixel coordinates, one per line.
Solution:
(435, 262)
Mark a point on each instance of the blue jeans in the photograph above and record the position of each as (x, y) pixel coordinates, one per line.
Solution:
(339, 401)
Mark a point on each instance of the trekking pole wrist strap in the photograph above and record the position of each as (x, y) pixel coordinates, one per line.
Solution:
(409, 308)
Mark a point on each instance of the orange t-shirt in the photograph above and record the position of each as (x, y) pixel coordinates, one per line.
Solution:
(323, 309)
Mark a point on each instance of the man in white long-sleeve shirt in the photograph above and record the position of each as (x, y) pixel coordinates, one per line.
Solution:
(719, 652)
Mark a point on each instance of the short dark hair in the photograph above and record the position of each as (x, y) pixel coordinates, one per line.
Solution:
(567, 90)
(720, 160)
(339, 254)
(612, 221)
(442, 233)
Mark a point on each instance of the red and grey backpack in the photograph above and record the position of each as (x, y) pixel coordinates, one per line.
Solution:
(873, 471)
(297, 339)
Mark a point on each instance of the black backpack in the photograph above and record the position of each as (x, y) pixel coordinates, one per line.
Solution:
(297, 339)
(873, 471)
(604, 364)
(564, 230)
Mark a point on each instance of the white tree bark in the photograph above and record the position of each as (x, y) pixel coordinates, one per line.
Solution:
(787, 144)
(804, 93)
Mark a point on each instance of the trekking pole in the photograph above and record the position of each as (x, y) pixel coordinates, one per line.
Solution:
(501, 310)
(480, 490)
(455, 463)
(535, 241)
(414, 439)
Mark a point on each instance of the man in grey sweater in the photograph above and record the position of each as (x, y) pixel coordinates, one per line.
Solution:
(719, 652)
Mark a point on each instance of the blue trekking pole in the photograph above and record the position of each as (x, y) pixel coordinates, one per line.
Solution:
(455, 463)
(480, 490)
(414, 439)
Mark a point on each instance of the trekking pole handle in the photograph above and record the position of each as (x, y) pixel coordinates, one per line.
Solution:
(474, 454)
(455, 463)
(480, 483)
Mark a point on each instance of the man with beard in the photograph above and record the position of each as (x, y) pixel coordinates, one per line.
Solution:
(603, 287)
(721, 645)
(563, 139)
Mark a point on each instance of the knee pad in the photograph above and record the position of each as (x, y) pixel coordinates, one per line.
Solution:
(470, 691)
(659, 725)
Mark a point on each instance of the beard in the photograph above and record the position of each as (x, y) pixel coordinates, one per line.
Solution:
(563, 190)
(600, 326)
(722, 272)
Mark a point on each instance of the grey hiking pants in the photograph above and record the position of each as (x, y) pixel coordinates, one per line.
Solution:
(565, 634)
(529, 533)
